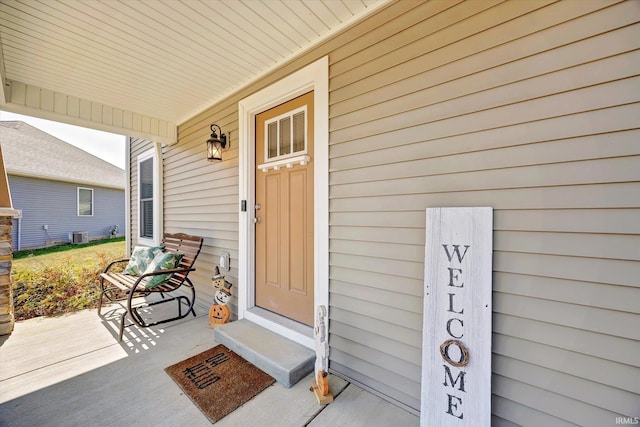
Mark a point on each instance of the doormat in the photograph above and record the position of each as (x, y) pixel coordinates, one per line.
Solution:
(218, 381)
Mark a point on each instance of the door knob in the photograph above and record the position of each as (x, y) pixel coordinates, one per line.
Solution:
(257, 220)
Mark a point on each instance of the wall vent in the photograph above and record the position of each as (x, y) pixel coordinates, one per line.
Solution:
(80, 237)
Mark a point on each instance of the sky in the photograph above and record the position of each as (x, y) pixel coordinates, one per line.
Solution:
(107, 146)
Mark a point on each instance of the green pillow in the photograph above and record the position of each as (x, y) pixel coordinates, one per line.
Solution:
(162, 261)
(140, 259)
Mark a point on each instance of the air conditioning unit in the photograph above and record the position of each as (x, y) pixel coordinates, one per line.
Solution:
(80, 237)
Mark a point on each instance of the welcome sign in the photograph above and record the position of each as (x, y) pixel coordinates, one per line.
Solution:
(456, 340)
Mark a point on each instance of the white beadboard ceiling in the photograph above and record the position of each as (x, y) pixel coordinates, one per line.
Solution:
(141, 67)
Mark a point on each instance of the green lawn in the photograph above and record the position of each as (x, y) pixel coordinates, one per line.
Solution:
(60, 282)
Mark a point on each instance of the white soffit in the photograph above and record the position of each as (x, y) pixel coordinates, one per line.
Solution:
(143, 66)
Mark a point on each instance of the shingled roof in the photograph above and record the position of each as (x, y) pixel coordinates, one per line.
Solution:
(28, 151)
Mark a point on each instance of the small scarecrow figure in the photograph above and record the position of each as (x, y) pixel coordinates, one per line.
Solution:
(219, 312)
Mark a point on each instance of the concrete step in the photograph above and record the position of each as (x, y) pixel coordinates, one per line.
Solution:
(286, 361)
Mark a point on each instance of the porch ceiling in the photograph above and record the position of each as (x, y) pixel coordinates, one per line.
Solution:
(140, 67)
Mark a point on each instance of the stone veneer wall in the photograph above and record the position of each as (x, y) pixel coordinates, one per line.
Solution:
(6, 291)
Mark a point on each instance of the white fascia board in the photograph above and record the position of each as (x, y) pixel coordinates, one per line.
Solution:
(61, 179)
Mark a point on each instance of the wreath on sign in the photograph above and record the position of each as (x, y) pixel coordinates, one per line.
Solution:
(444, 352)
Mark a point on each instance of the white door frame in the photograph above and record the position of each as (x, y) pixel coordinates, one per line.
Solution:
(314, 77)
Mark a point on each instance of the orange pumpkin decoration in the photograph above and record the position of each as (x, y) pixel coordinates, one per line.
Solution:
(218, 314)
(322, 381)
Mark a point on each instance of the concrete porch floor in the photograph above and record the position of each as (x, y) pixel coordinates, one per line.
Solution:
(72, 371)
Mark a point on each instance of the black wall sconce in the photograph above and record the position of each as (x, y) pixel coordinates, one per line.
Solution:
(215, 144)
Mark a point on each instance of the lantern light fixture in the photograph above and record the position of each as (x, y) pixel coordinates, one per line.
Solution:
(215, 144)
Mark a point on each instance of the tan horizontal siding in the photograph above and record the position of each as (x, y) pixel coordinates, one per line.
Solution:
(607, 221)
(356, 168)
(467, 18)
(385, 312)
(582, 390)
(401, 268)
(201, 181)
(201, 198)
(409, 370)
(439, 141)
(596, 370)
(400, 333)
(527, 63)
(395, 251)
(615, 170)
(222, 178)
(194, 217)
(447, 123)
(376, 378)
(406, 285)
(506, 407)
(552, 197)
(189, 196)
(580, 317)
(403, 236)
(198, 206)
(441, 103)
(501, 422)
(621, 247)
(556, 405)
(613, 221)
(384, 297)
(523, 152)
(531, 108)
(613, 272)
(583, 293)
(605, 347)
(533, 33)
(378, 343)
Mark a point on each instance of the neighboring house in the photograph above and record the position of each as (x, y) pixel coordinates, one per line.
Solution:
(530, 107)
(60, 189)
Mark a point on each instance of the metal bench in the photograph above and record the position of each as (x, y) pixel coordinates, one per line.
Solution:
(113, 285)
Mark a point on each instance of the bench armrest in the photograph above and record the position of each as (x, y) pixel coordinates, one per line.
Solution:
(112, 263)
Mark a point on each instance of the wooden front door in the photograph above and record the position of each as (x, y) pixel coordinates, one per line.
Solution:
(284, 244)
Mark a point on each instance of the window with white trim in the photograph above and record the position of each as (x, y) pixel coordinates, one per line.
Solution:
(85, 201)
(286, 135)
(285, 140)
(147, 185)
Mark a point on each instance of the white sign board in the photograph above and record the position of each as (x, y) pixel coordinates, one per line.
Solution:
(456, 337)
